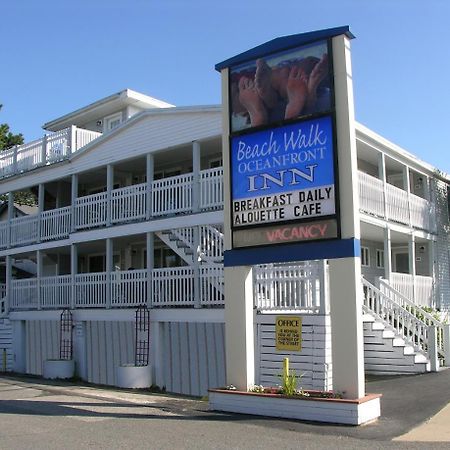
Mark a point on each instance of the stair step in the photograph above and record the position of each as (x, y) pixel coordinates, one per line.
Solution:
(368, 318)
(378, 326)
(419, 358)
(398, 342)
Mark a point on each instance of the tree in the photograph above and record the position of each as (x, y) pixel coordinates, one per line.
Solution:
(8, 140)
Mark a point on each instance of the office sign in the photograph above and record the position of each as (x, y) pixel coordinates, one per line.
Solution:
(288, 333)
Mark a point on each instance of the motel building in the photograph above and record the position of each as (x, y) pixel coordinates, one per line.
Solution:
(120, 264)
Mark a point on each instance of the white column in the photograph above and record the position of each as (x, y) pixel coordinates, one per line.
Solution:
(41, 205)
(10, 215)
(239, 320)
(387, 254)
(196, 266)
(150, 171)
(382, 176)
(407, 187)
(109, 188)
(44, 150)
(345, 273)
(150, 245)
(109, 266)
(39, 261)
(412, 262)
(196, 176)
(73, 273)
(74, 195)
(72, 140)
(239, 323)
(324, 288)
(8, 263)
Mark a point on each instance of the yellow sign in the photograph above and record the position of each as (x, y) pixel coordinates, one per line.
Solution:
(288, 333)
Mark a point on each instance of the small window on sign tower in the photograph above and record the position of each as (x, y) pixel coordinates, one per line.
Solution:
(380, 259)
(365, 257)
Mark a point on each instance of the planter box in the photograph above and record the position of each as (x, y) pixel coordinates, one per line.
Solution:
(134, 377)
(331, 410)
(58, 369)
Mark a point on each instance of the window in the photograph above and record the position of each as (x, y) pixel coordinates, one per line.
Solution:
(113, 121)
(380, 259)
(213, 163)
(365, 257)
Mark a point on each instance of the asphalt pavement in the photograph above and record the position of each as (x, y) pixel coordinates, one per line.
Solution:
(415, 414)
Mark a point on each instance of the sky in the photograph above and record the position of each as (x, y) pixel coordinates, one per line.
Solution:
(60, 55)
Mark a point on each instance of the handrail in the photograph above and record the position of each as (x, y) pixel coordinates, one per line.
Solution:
(397, 316)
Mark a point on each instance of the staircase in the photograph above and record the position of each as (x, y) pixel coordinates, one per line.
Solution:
(399, 336)
(203, 244)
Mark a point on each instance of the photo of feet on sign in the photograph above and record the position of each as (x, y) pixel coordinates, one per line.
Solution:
(280, 87)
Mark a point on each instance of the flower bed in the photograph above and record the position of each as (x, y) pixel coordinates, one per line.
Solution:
(315, 405)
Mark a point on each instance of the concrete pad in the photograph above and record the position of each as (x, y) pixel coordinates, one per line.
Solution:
(436, 429)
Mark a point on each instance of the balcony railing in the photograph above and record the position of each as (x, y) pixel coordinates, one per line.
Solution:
(394, 204)
(417, 288)
(169, 196)
(47, 150)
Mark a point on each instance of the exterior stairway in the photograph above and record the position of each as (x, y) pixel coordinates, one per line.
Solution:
(399, 336)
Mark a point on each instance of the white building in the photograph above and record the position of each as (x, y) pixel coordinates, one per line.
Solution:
(130, 212)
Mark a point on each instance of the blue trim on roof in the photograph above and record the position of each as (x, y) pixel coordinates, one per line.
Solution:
(283, 43)
(330, 249)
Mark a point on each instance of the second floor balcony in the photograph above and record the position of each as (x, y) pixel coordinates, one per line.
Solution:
(49, 149)
(185, 194)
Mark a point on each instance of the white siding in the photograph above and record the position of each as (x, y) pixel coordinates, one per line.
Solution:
(193, 357)
(109, 344)
(42, 343)
(6, 345)
(312, 363)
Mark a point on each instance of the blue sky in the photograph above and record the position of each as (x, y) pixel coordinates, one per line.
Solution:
(58, 56)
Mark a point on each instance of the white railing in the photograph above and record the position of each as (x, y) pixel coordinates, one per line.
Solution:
(90, 290)
(3, 299)
(172, 195)
(84, 137)
(129, 288)
(24, 294)
(397, 204)
(288, 287)
(4, 233)
(47, 150)
(90, 210)
(371, 194)
(211, 285)
(211, 243)
(173, 286)
(128, 203)
(25, 230)
(422, 213)
(403, 316)
(55, 291)
(211, 188)
(418, 289)
(55, 223)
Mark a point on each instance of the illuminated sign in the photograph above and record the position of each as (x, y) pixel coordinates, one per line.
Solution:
(288, 333)
(283, 86)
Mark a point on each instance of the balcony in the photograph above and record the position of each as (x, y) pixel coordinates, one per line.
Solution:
(50, 149)
(391, 203)
(166, 197)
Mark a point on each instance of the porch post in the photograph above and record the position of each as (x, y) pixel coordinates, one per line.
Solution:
(412, 263)
(73, 273)
(41, 201)
(109, 188)
(433, 348)
(196, 267)
(44, 150)
(382, 176)
(407, 186)
(109, 265)
(72, 147)
(150, 172)
(39, 259)
(74, 195)
(324, 307)
(387, 254)
(446, 338)
(150, 242)
(195, 176)
(10, 215)
(435, 288)
(8, 263)
(345, 273)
